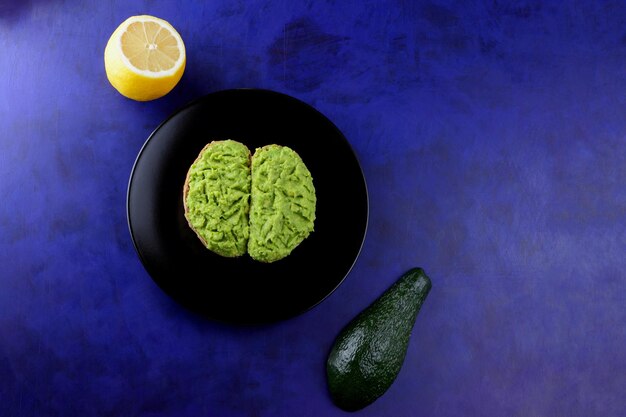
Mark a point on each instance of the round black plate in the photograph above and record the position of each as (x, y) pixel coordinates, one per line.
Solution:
(240, 290)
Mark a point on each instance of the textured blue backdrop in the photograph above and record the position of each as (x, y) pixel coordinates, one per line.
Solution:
(493, 138)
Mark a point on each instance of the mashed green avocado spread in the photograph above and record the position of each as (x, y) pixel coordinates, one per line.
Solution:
(217, 198)
(282, 208)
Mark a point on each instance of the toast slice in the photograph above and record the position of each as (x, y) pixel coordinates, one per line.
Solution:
(282, 203)
(216, 197)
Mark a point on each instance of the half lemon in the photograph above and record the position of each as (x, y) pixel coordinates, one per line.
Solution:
(144, 58)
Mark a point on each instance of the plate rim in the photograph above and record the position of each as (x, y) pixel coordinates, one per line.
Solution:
(143, 261)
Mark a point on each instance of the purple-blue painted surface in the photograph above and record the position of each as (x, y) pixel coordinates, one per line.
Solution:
(493, 139)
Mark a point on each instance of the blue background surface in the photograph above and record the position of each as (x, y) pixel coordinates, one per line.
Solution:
(493, 139)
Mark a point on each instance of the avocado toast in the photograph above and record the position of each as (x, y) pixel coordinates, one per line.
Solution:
(216, 197)
(282, 203)
(264, 205)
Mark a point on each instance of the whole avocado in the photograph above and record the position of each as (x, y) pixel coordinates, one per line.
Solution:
(368, 353)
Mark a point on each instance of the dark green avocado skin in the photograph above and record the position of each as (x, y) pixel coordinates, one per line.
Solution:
(370, 350)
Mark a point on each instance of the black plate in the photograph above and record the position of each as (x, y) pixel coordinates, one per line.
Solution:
(241, 290)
